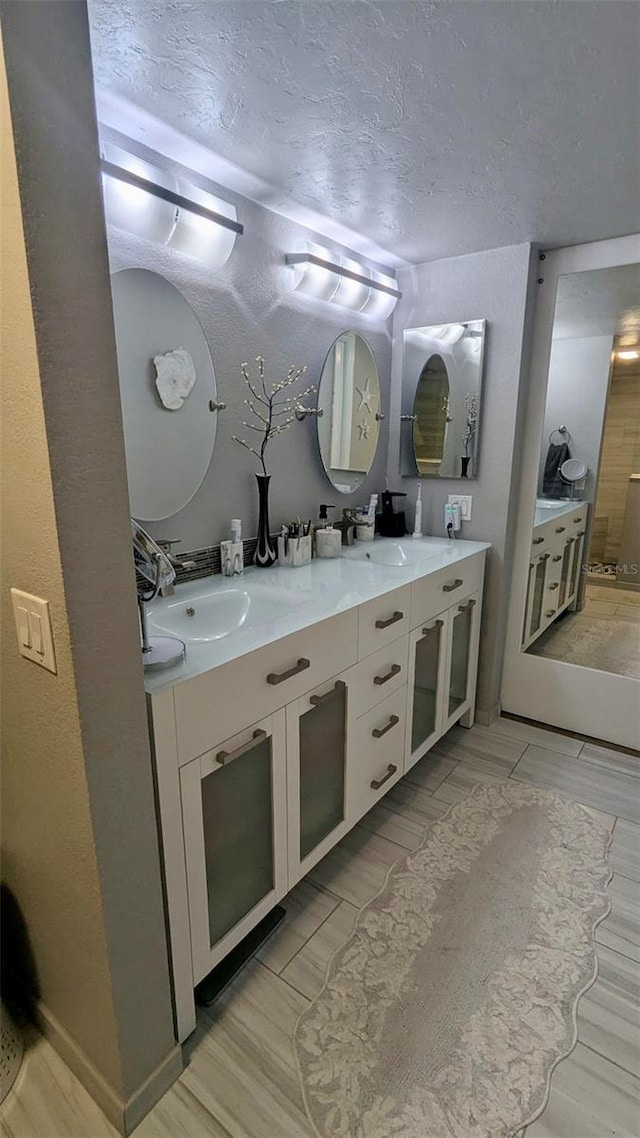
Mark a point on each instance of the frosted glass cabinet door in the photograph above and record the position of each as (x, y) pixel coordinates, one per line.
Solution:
(426, 685)
(316, 756)
(461, 670)
(233, 833)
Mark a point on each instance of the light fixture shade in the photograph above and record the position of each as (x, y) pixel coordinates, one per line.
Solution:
(341, 280)
(198, 236)
(628, 354)
(315, 280)
(131, 208)
(352, 294)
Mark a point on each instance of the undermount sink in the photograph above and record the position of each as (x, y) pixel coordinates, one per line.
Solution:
(555, 503)
(211, 616)
(397, 553)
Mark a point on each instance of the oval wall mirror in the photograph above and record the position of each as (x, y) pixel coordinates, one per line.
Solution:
(349, 397)
(167, 382)
(431, 416)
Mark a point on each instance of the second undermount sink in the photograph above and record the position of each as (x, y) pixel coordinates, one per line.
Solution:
(397, 554)
(213, 615)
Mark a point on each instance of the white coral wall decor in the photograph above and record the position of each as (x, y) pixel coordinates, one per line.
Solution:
(175, 377)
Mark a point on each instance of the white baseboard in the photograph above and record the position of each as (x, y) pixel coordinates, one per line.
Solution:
(124, 1114)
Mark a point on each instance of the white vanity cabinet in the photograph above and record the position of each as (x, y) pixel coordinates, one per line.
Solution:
(557, 549)
(265, 761)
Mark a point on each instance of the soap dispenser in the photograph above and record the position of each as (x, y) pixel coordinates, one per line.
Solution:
(391, 523)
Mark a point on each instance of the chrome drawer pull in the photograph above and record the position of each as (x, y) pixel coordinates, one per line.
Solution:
(544, 556)
(576, 521)
(392, 620)
(378, 732)
(226, 757)
(551, 612)
(316, 700)
(557, 558)
(537, 541)
(279, 677)
(429, 627)
(468, 605)
(394, 670)
(376, 783)
(581, 533)
(452, 585)
(555, 585)
(561, 529)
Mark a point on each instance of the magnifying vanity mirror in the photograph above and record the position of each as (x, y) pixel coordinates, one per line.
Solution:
(349, 398)
(167, 391)
(441, 383)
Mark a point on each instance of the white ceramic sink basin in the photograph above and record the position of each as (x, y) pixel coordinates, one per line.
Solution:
(555, 503)
(397, 553)
(211, 616)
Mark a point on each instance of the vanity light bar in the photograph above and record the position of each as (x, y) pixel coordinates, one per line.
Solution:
(340, 270)
(113, 171)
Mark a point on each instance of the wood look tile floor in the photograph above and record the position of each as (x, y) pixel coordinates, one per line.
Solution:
(240, 1078)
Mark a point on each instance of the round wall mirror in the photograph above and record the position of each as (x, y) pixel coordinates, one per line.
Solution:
(166, 385)
(431, 416)
(349, 397)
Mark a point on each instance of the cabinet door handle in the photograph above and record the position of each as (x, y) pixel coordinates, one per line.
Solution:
(558, 557)
(576, 521)
(544, 556)
(434, 624)
(561, 529)
(226, 757)
(467, 605)
(316, 700)
(551, 612)
(376, 783)
(581, 533)
(537, 541)
(378, 732)
(555, 585)
(451, 585)
(279, 677)
(391, 620)
(394, 670)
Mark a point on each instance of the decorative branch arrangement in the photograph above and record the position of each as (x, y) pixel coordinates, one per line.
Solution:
(471, 425)
(269, 406)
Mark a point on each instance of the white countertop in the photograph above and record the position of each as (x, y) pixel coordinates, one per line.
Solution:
(550, 513)
(326, 587)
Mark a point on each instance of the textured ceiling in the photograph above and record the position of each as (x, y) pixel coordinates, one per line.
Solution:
(433, 128)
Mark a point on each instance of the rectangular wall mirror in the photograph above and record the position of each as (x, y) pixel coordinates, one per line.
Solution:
(583, 595)
(441, 388)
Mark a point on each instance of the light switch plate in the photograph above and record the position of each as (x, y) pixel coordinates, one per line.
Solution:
(33, 629)
(465, 502)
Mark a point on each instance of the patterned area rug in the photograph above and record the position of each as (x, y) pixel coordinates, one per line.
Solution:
(446, 1011)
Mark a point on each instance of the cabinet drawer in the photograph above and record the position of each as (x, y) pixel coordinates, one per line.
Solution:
(439, 590)
(377, 676)
(376, 754)
(383, 620)
(216, 705)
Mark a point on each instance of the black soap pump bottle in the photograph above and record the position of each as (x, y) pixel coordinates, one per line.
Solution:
(391, 523)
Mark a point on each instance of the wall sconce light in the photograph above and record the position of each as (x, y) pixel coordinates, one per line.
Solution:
(343, 281)
(628, 354)
(195, 223)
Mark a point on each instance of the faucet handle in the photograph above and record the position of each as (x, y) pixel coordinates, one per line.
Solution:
(165, 543)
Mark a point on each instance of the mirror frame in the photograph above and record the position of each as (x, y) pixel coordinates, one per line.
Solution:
(537, 687)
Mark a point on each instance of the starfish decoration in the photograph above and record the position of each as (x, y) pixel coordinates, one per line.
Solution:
(365, 396)
(363, 429)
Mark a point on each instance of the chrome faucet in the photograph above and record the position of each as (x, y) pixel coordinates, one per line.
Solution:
(165, 545)
(347, 525)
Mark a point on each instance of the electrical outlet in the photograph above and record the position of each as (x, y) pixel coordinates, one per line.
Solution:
(465, 502)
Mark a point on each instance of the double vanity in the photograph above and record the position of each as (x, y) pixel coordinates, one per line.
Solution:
(305, 695)
(555, 564)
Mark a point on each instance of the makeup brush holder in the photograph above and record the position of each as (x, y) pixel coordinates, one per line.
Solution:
(231, 558)
(294, 551)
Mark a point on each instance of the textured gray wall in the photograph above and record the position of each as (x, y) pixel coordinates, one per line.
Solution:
(494, 285)
(50, 85)
(247, 308)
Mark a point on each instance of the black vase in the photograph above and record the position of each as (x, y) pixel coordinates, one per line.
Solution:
(464, 465)
(265, 555)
